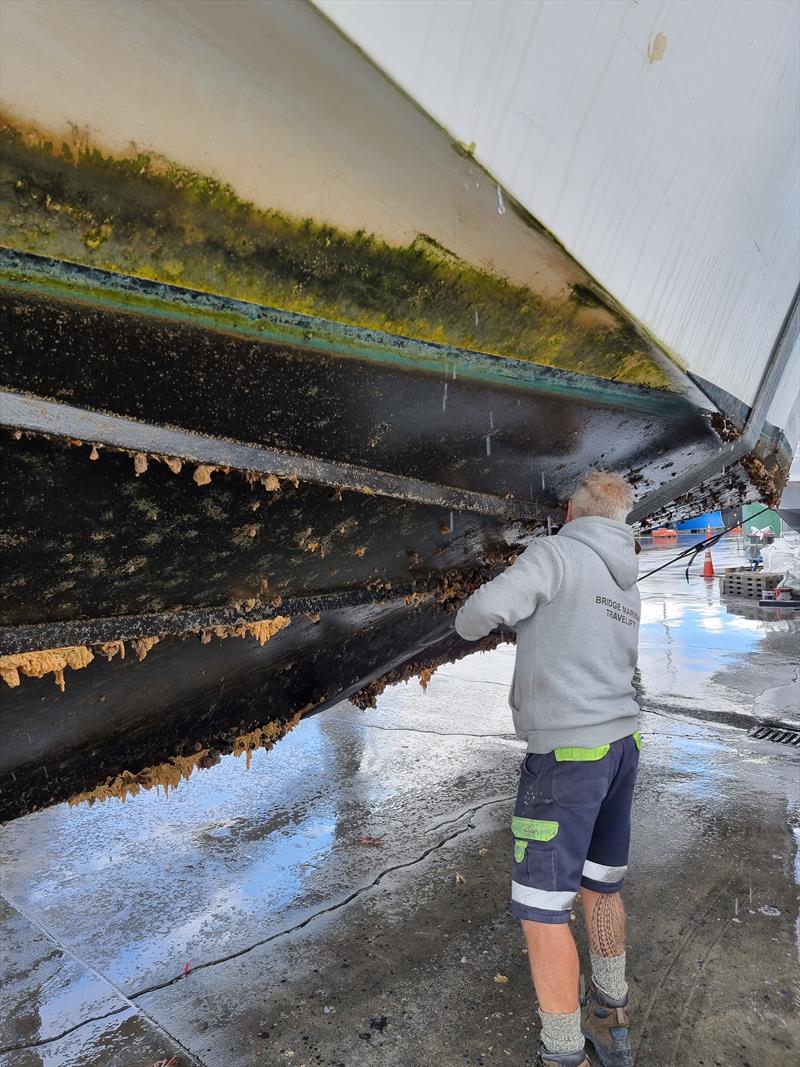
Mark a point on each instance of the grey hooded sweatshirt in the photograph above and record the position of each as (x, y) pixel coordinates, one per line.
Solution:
(575, 604)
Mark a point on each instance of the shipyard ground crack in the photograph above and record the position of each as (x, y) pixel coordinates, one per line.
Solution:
(421, 730)
(354, 895)
(127, 1002)
(63, 1033)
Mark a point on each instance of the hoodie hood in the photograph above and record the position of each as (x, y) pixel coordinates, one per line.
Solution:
(612, 541)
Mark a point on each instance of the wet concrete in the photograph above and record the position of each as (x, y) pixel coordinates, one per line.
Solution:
(344, 901)
(714, 656)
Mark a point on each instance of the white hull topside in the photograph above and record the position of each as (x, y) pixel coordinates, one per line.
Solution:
(658, 142)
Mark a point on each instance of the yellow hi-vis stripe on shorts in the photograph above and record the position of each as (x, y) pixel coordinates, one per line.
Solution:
(581, 755)
(589, 755)
(534, 829)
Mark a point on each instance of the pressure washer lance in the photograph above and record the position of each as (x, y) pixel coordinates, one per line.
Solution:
(695, 550)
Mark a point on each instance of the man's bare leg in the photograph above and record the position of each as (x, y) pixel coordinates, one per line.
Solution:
(605, 924)
(603, 1016)
(555, 971)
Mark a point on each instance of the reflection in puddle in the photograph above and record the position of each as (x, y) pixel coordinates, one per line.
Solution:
(694, 645)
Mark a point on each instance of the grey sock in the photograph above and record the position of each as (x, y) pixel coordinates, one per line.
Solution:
(608, 974)
(562, 1033)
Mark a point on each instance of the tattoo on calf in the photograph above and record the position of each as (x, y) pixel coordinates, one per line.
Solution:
(607, 926)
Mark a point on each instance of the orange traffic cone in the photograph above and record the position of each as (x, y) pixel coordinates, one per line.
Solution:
(708, 565)
(708, 531)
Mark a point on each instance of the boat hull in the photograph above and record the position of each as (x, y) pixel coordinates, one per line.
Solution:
(178, 484)
(279, 395)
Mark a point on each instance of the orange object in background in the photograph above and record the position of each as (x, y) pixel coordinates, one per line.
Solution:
(736, 531)
(664, 532)
(708, 565)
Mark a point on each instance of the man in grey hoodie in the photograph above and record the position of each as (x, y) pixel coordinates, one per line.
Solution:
(575, 605)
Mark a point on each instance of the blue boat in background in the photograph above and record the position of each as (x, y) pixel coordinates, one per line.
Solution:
(701, 522)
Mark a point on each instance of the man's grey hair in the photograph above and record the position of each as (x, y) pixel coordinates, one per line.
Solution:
(603, 493)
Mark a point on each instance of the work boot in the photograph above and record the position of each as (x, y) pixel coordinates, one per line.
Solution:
(605, 1024)
(561, 1059)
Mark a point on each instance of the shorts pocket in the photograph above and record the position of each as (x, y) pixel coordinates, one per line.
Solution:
(526, 830)
(581, 784)
(539, 870)
(536, 780)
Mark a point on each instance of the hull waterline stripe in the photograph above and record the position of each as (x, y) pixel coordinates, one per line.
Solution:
(37, 415)
(62, 280)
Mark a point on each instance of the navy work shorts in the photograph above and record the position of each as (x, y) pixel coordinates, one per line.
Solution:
(571, 826)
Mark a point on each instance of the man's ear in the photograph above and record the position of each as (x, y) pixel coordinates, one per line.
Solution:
(568, 517)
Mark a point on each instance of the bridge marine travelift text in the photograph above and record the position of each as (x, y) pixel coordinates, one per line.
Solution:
(620, 612)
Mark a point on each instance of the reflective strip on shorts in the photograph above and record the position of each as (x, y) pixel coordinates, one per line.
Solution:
(599, 873)
(541, 898)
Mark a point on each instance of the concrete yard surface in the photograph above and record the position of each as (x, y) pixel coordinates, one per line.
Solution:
(344, 902)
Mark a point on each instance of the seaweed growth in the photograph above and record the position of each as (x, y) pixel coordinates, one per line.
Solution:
(153, 218)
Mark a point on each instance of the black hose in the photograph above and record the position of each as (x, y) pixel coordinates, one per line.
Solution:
(695, 550)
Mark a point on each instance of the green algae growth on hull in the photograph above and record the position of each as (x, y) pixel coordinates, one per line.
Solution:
(151, 218)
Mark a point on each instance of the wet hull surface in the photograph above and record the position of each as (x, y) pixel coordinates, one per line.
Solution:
(292, 387)
(241, 466)
(315, 898)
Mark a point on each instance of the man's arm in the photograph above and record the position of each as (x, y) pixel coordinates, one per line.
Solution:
(515, 594)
